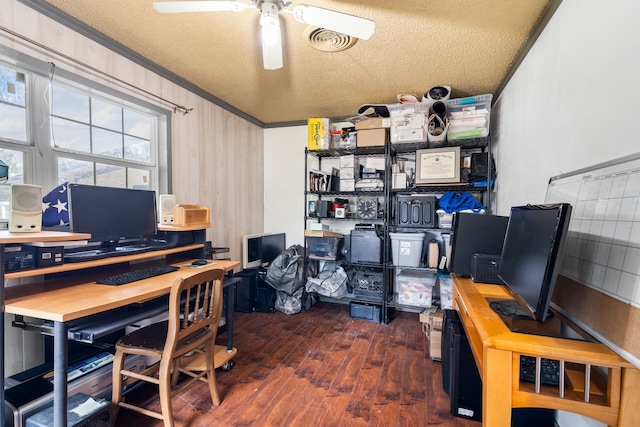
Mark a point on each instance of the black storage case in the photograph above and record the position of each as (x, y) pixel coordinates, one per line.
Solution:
(365, 247)
(364, 311)
(416, 211)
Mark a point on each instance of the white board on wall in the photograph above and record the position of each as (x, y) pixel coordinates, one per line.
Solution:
(603, 245)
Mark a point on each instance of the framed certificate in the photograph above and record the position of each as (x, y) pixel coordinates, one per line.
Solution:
(438, 165)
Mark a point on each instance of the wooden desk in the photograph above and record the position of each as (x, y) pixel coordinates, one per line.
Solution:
(74, 296)
(612, 383)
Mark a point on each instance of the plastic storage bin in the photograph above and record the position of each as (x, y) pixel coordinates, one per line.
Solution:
(325, 248)
(415, 287)
(406, 249)
(468, 117)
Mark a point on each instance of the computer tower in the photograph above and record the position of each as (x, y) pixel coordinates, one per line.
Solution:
(462, 381)
(253, 293)
(265, 294)
(466, 384)
(448, 318)
(475, 233)
(245, 291)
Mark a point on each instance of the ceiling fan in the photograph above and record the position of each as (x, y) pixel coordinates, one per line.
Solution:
(270, 22)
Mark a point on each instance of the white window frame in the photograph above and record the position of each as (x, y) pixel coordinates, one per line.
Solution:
(41, 163)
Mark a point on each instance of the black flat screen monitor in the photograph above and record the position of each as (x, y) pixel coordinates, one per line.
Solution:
(259, 250)
(112, 214)
(475, 233)
(531, 254)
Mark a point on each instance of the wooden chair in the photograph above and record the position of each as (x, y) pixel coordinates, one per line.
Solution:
(195, 307)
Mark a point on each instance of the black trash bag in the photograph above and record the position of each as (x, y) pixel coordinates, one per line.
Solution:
(286, 272)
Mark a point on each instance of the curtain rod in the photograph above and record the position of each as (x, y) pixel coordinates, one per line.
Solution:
(176, 107)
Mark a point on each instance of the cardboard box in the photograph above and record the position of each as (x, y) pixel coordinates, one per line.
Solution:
(373, 123)
(371, 138)
(319, 132)
(435, 345)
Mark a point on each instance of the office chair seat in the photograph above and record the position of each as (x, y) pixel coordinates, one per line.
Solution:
(152, 339)
(195, 308)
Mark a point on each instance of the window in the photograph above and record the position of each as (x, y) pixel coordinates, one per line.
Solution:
(58, 127)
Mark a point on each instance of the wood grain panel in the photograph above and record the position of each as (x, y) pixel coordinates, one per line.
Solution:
(217, 157)
(616, 320)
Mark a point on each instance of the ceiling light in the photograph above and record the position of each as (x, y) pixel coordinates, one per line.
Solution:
(271, 36)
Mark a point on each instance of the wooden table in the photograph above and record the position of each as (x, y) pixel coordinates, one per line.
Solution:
(77, 295)
(597, 382)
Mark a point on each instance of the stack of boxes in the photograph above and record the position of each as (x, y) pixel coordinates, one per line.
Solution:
(372, 132)
(432, 328)
(348, 172)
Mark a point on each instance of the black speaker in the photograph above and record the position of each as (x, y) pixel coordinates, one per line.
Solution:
(475, 233)
(484, 269)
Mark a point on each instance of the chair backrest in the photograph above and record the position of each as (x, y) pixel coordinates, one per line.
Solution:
(195, 303)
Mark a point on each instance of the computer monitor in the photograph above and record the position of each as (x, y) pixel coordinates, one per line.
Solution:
(112, 214)
(530, 256)
(475, 233)
(261, 249)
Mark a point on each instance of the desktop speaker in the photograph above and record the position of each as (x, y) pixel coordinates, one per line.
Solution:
(167, 203)
(25, 208)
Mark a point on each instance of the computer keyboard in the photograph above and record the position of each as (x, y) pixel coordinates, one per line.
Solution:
(135, 275)
(549, 371)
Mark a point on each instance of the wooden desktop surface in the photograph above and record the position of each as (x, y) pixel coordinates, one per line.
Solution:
(78, 295)
(497, 349)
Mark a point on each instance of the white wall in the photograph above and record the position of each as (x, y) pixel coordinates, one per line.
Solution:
(570, 105)
(284, 182)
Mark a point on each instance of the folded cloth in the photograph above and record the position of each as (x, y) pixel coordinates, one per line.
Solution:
(55, 207)
(455, 202)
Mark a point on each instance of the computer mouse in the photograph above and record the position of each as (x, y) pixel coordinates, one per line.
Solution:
(200, 262)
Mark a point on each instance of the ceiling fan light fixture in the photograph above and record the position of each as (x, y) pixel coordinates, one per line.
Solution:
(271, 36)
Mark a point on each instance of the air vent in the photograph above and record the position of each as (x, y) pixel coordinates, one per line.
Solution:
(327, 40)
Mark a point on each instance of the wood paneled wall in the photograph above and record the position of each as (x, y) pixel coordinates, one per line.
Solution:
(217, 156)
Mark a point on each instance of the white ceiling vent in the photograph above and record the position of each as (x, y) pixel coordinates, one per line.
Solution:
(327, 40)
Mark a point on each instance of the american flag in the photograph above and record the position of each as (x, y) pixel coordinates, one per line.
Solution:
(55, 207)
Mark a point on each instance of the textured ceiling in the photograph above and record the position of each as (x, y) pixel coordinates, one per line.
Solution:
(417, 44)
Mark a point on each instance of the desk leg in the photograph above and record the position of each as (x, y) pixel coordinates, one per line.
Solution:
(229, 296)
(496, 388)
(60, 366)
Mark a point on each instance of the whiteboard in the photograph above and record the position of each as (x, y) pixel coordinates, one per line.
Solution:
(603, 246)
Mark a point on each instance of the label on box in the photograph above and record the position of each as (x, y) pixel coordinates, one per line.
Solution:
(319, 133)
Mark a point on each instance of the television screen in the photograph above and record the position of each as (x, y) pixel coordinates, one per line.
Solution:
(112, 214)
(531, 252)
(272, 246)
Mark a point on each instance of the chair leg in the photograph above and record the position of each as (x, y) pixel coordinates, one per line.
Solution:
(211, 373)
(116, 381)
(165, 376)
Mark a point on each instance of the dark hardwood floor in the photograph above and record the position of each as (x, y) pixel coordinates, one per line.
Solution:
(320, 368)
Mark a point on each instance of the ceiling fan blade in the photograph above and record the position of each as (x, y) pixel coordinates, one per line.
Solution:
(335, 21)
(199, 6)
(271, 37)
